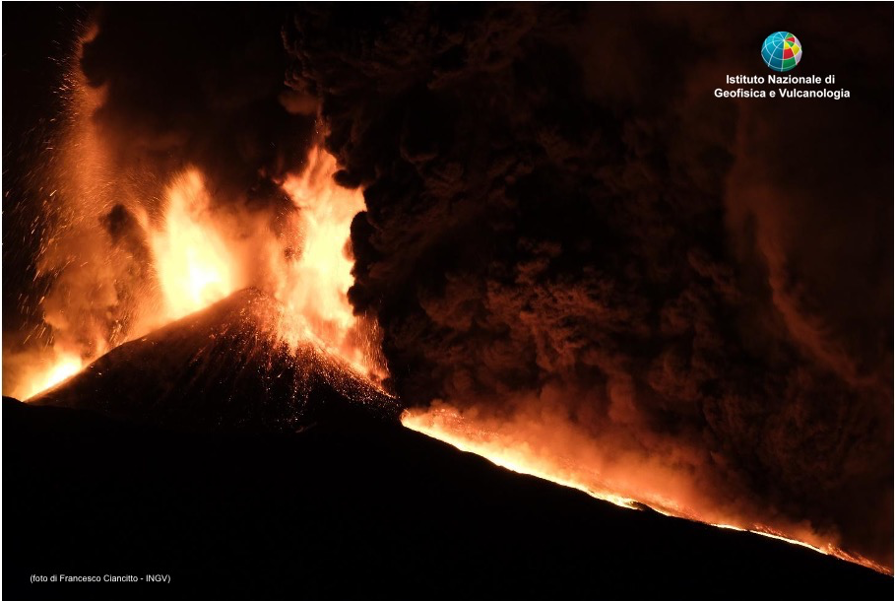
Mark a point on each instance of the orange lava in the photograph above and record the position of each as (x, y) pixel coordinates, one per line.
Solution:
(520, 446)
(194, 249)
(312, 287)
(48, 373)
(201, 253)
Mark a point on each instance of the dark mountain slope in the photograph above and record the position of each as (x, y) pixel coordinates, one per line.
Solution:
(243, 470)
(350, 508)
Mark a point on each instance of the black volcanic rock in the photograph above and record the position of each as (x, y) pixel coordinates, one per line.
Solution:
(222, 368)
(351, 510)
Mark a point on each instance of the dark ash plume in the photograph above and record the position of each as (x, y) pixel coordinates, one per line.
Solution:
(176, 96)
(559, 212)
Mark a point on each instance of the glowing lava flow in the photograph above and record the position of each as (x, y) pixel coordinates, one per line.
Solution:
(520, 452)
(59, 369)
(67, 366)
(506, 452)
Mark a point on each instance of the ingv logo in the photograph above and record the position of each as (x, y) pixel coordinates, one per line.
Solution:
(782, 51)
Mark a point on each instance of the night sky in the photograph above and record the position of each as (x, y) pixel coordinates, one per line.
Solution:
(562, 218)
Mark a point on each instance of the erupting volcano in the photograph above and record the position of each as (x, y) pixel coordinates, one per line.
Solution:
(223, 368)
(307, 263)
(195, 255)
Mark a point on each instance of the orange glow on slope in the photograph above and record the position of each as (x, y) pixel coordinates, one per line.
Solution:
(504, 450)
(829, 548)
(520, 446)
(48, 375)
(192, 259)
(65, 367)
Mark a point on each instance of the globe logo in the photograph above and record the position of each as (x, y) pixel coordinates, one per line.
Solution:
(782, 51)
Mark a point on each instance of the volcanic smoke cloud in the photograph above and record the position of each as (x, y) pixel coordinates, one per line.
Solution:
(567, 235)
(568, 241)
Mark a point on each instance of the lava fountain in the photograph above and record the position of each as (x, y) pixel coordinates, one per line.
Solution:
(199, 254)
(128, 246)
(191, 257)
